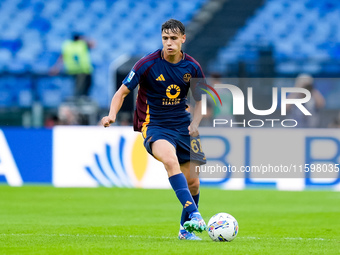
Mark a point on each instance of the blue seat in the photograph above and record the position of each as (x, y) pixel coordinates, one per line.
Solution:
(44, 25)
(298, 30)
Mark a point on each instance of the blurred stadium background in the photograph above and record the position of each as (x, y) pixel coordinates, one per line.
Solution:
(248, 38)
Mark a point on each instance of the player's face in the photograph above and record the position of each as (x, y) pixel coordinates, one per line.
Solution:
(172, 42)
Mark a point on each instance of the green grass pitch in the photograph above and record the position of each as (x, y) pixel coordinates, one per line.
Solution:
(47, 220)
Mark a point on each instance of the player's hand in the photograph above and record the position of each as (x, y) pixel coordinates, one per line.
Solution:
(107, 121)
(193, 130)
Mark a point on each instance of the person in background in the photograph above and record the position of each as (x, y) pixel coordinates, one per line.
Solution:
(76, 59)
(314, 105)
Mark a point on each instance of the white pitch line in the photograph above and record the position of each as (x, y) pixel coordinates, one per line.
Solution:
(163, 237)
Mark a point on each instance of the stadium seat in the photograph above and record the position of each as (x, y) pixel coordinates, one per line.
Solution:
(298, 30)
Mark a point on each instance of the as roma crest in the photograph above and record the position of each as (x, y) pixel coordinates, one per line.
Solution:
(187, 77)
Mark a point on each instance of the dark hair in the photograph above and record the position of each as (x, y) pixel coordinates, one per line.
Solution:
(174, 25)
(76, 36)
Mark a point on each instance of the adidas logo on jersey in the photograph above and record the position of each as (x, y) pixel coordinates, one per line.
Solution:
(160, 78)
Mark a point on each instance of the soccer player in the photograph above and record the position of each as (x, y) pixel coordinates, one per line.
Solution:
(162, 116)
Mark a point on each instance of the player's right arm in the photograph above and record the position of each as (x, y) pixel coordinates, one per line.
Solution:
(130, 82)
(116, 104)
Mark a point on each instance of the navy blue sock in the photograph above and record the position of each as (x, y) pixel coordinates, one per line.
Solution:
(185, 215)
(180, 186)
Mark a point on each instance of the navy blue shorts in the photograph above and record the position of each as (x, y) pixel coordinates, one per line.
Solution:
(187, 148)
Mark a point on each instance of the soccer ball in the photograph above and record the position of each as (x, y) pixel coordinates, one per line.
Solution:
(222, 227)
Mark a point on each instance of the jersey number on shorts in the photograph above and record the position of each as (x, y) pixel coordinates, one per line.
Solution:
(196, 145)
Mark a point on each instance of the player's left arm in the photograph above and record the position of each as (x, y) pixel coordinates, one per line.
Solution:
(193, 128)
(196, 92)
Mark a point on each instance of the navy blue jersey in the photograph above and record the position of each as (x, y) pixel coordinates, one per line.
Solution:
(163, 89)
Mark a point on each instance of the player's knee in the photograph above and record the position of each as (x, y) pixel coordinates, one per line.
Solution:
(170, 162)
